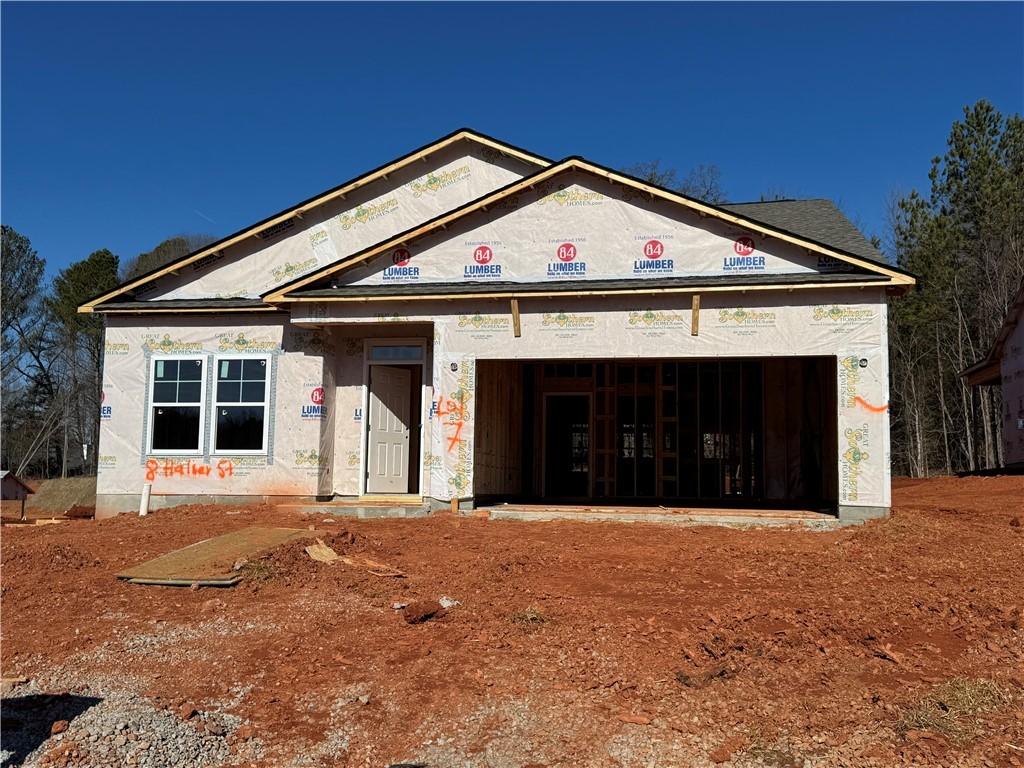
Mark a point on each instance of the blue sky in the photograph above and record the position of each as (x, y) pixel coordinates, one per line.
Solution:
(123, 124)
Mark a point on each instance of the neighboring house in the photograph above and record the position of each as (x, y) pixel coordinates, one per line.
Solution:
(13, 488)
(1004, 366)
(476, 322)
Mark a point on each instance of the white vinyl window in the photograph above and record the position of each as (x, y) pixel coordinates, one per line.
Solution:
(177, 394)
(241, 397)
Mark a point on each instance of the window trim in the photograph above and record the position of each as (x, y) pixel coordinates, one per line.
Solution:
(215, 404)
(150, 450)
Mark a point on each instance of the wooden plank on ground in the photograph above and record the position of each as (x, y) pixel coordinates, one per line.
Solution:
(210, 561)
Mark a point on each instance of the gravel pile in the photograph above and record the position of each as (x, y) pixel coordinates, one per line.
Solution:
(42, 730)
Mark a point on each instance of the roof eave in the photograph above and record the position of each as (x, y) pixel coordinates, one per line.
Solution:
(985, 373)
(528, 291)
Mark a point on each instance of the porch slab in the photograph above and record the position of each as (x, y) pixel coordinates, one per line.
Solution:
(364, 506)
(737, 518)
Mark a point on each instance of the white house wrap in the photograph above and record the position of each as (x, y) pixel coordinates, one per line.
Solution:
(475, 322)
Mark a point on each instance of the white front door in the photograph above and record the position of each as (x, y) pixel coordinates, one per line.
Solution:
(388, 430)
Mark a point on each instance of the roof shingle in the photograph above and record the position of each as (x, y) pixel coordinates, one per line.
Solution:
(815, 219)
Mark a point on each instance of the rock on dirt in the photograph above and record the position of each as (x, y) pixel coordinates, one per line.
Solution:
(728, 749)
(422, 610)
(705, 676)
(634, 719)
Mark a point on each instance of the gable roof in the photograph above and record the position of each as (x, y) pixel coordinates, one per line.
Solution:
(7, 474)
(896, 275)
(989, 370)
(301, 208)
(816, 218)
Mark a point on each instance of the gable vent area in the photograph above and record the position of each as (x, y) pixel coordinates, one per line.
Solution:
(278, 229)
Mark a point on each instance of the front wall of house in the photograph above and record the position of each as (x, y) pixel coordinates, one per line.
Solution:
(315, 440)
(1012, 370)
(422, 190)
(848, 324)
(300, 430)
(581, 227)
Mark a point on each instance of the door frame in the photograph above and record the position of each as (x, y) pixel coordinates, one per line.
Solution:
(544, 440)
(385, 341)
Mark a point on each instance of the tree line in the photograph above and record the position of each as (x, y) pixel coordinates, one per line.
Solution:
(964, 239)
(52, 357)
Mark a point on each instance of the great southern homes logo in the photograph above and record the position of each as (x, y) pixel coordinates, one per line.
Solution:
(850, 376)
(303, 340)
(309, 458)
(167, 345)
(368, 212)
(746, 318)
(318, 237)
(435, 181)
(650, 318)
(567, 321)
(116, 348)
(239, 342)
(290, 269)
(483, 323)
(858, 441)
(572, 197)
(843, 315)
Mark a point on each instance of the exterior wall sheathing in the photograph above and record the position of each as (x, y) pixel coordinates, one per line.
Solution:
(846, 324)
(319, 453)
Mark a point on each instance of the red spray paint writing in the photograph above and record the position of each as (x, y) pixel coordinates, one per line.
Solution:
(169, 468)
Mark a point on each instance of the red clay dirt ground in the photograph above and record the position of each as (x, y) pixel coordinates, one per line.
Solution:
(573, 643)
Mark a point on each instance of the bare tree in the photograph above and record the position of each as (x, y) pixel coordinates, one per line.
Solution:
(703, 182)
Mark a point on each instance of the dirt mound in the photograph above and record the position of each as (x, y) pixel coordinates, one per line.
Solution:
(291, 559)
(57, 556)
(289, 565)
(55, 497)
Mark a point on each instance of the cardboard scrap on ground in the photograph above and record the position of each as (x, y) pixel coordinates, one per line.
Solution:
(321, 552)
(324, 554)
(209, 563)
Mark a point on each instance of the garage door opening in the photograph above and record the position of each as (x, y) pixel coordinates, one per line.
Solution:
(758, 432)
